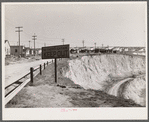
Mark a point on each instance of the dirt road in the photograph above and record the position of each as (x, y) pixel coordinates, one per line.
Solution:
(15, 71)
(115, 88)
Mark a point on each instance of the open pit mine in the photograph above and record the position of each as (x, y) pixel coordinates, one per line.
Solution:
(116, 74)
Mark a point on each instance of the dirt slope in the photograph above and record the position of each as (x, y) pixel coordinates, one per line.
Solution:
(46, 93)
(108, 72)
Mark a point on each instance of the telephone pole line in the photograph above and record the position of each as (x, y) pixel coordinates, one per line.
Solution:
(19, 37)
(83, 43)
(34, 38)
(95, 45)
(63, 41)
(29, 43)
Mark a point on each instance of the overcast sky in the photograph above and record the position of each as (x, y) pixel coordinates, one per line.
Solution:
(113, 24)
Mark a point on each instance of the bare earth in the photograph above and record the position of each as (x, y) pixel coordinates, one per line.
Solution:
(17, 68)
(44, 92)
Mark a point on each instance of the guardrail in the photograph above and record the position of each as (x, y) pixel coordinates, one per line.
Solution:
(18, 85)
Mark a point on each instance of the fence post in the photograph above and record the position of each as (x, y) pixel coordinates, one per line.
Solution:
(31, 74)
(44, 66)
(55, 70)
(47, 63)
(40, 69)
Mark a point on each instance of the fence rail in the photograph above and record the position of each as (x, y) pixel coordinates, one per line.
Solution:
(20, 84)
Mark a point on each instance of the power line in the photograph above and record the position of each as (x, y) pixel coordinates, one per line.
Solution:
(19, 36)
(34, 38)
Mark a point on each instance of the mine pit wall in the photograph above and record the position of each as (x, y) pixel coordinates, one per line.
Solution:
(99, 72)
(136, 90)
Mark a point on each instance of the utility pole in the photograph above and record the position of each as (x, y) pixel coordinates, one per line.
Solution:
(45, 44)
(102, 45)
(29, 43)
(63, 41)
(95, 45)
(83, 43)
(19, 37)
(34, 38)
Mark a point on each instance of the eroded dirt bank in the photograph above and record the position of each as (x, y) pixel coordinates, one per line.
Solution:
(109, 72)
(46, 93)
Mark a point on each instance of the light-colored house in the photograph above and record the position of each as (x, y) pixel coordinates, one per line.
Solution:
(38, 51)
(116, 50)
(126, 49)
(31, 51)
(7, 48)
(27, 51)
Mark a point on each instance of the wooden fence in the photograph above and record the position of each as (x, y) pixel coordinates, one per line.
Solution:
(12, 89)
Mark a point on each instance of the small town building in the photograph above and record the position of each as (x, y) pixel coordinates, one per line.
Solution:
(31, 51)
(116, 50)
(27, 51)
(38, 51)
(15, 50)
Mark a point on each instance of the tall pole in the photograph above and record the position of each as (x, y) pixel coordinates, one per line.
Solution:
(34, 38)
(95, 45)
(19, 37)
(83, 43)
(63, 41)
(102, 45)
(29, 43)
(55, 70)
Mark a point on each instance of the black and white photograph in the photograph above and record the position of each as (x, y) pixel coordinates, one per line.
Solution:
(74, 60)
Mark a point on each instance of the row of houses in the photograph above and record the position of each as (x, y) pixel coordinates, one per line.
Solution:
(91, 50)
(24, 51)
(105, 49)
